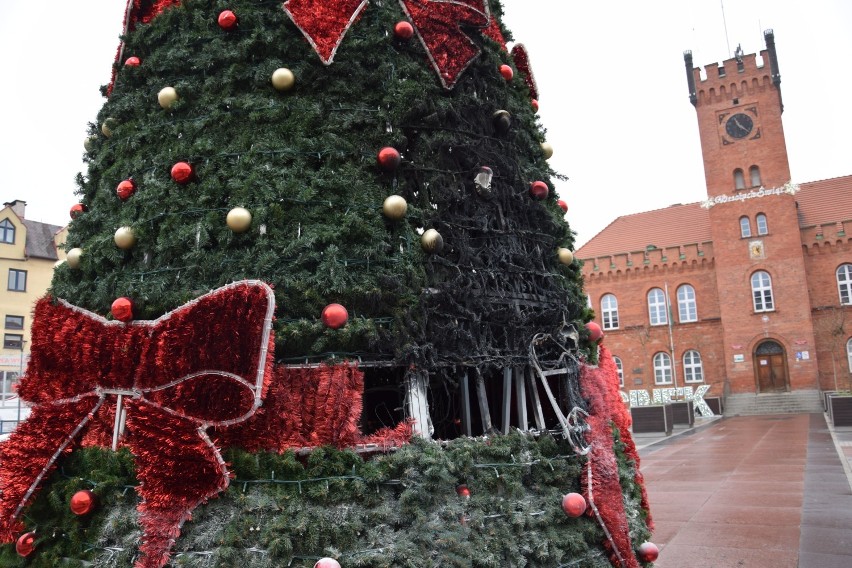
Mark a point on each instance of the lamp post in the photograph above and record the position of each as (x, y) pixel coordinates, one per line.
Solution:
(20, 374)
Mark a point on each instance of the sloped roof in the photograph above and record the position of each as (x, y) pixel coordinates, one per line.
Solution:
(40, 243)
(820, 202)
(825, 201)
(672, 226)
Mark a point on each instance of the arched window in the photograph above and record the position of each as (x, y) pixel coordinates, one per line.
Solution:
(739, 179)
(761, 292)
(662, 369)
(657, 307)
(686, 308)
(619, 366)
(754, 174)
(7, 232)
(745, 227)
(693, 372)
(762, 225)
(849, 353)
(609, 311)
(844, 283)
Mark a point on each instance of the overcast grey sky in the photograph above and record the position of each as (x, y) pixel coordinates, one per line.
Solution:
(611, 78)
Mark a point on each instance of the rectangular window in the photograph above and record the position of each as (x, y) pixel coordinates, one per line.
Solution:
(17, 280)
(13, 341)
(8, 385)
(14, 322)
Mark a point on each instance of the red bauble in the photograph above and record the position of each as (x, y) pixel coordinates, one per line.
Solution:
(82, 502)
(122, 309)
(535, 105)
(25, 544)
(463, 491)
(539, 190)
(574, 504)
(403, 30)
(334, 316)
(227, 20)
(648, 552)
(327, 563)
(507, 72)
(132, 61)
(126, 189)
(595, 332)
(77, 209)
(389, 158)
(182, 173)
(562, 205)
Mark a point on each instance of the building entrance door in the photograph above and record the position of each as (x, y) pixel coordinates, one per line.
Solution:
(771, 367)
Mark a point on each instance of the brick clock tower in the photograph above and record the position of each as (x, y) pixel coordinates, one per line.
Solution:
(759, 263)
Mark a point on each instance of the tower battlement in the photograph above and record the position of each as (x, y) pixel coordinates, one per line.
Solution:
(733, 78)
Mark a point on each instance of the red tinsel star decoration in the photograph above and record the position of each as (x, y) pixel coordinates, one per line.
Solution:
(324, 22)
(206, 364)
(494, 32)
(522, 62)
(438, 25)
(599, 385)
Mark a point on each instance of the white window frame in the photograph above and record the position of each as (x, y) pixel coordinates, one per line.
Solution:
(663, 372)
(844, 283)
(762, 224)
(754, 174)
(849, 353)
(609, 311)
(693, 369)
(761, 292)
(745, 227)
(687, 309)
(657, 312)
(739, 179)
(619, 366)
(7, 232)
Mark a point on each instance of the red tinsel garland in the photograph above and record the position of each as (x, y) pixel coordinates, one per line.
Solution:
(437, 24)
(599, 385)
(309, 408)
(522, 62)
(494, 32)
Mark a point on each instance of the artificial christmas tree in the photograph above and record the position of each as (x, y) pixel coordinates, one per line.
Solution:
(331, 241)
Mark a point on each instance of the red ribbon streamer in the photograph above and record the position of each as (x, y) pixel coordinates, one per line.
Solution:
(181, 374)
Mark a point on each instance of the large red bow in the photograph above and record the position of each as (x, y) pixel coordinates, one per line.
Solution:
(205, 364)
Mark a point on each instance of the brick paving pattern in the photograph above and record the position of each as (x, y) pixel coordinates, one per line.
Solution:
(751, 492)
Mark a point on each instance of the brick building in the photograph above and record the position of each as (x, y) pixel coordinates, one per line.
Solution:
(749, 291)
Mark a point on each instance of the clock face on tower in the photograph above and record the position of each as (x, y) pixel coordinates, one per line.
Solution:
(739, 125)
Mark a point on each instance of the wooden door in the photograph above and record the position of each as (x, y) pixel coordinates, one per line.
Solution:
(771, 373)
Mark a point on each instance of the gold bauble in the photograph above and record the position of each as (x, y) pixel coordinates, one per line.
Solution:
(89, 142)
(395, 207)
(167, 97)
(73, 257)
(108, 126)
(125, 238)
(238, 220)
(283, 79)
(432, 241)
(547, 149)
(566, 256)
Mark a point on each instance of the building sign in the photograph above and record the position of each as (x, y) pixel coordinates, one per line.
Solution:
(802, 355)
(788, 188)
(13, 361)
(739, 358)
